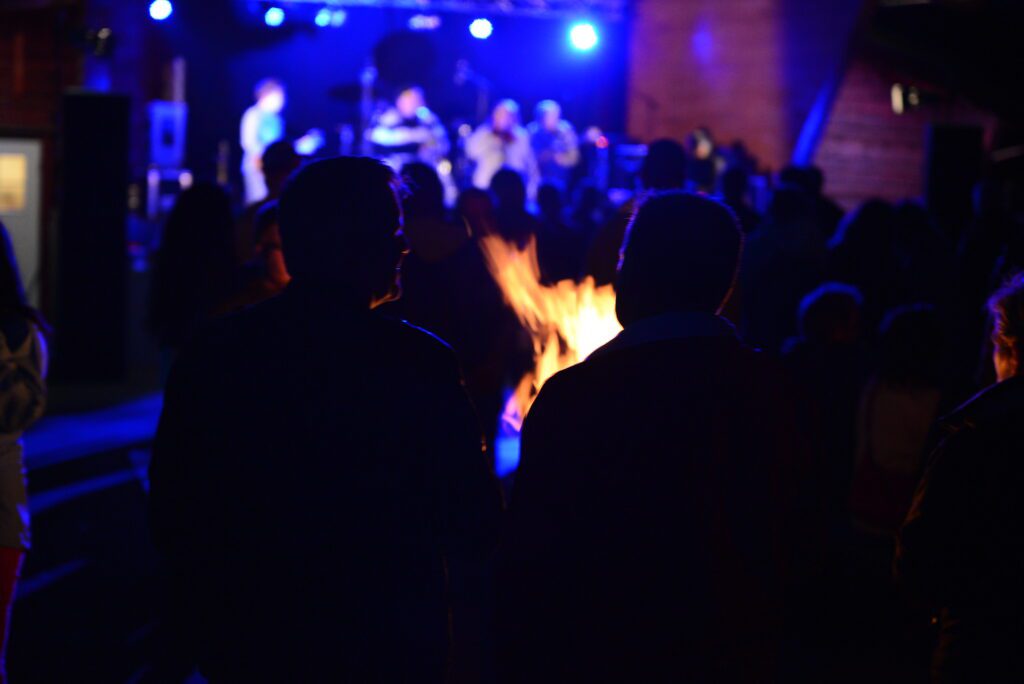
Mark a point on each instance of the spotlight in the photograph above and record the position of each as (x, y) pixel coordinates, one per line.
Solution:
(481, 29)
(338, 18)
(323, 17)
(583, 36)
(160, 9)
(274, 16)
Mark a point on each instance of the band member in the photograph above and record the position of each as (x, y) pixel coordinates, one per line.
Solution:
(261, 125)
(502, 142)
(555, 144)
(409, 132)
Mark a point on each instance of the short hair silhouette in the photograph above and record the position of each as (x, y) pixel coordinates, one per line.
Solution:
(425, 198)
(913, 346)
(336, 213)
(827, 309)
(681, 253)
(280, 157)
(810, 178)
(734, 181)
(509, 189)
(664, 167)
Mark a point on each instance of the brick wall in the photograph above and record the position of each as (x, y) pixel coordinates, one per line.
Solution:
(869, 151)
(748, 69)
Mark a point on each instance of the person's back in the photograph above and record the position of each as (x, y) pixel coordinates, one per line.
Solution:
(899, 405)
(644, 535)
(318, 466)
(961, 547)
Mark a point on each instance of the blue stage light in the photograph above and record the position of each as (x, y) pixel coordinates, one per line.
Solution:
(338, 18)
(274, 16)
(481, 29)
(323, 17)
(160, 9)
(583, 36)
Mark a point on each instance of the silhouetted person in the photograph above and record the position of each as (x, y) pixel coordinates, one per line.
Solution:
(197, 272)
(447, 289)
(318, 485)
(515, 223)
(899, 406)
(645, 539)
(664, 168)
(559, 248)
(279, 161)
(784, 260)
(828, 359)
(587, 212)
(862, 253)
(961, 546)
(828, 214)
(735, 186)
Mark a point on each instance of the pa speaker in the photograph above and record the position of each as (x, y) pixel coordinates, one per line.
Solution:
(90, 329)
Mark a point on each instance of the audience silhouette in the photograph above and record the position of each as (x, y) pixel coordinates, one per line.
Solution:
(960, 548)
(655, 519)
(319, 488)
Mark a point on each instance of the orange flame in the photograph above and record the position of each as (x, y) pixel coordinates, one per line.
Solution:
(566, 321)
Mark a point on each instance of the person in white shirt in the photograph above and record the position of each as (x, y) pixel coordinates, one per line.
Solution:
(262, 124)
(502, 142)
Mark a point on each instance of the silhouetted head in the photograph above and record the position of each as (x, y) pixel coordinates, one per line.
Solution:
(867, 229)
(734, 183)
(912, 346)
(340, 222)
(831, 314)
(197, 265)
(476, 208)
(549, 202)
(664, 167)
(681, 253)
(509, 190)
(1006, 307)
(425, 198)
(790, 204)
(279, 161)
(810, 178)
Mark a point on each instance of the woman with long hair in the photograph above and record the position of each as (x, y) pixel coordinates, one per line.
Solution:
(23, 362)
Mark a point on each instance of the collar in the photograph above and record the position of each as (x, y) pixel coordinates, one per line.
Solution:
(676, 325)
(992, 404)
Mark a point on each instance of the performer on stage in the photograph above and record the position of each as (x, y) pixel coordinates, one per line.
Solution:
(409, 132)
(502, 142)
(555, 144)
(261, 125)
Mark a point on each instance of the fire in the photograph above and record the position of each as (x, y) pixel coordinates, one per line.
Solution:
(566, 321)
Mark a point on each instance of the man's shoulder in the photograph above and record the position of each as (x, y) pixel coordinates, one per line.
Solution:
(417, 346)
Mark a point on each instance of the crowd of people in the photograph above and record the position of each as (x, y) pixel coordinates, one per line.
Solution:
(764, 477)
